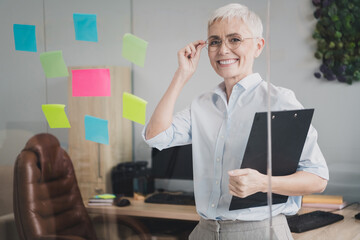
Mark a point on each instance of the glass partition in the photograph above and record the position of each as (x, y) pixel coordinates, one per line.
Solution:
(119, 160)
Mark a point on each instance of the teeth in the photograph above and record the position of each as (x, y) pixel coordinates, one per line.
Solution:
(228, 61)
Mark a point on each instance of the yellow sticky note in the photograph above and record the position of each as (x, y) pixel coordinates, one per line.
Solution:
(134, 108)
(105, 196)
(55, 115)
(134, 49)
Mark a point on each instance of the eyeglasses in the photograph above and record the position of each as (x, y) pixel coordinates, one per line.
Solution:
(232, 42)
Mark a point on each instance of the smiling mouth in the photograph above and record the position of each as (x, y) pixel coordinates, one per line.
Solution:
(227, 62)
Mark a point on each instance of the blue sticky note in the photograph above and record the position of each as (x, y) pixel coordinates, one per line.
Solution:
(85, 27)
(96, 129)
(24, 37)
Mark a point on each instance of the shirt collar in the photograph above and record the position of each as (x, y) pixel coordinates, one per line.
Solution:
(250, 81)
(247, 83)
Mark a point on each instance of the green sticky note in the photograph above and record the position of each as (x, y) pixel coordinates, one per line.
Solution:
(134, 108)
(53, 64)
(55, 115)
(134, 49)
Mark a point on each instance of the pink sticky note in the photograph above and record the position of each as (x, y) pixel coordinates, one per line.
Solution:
(91, 82)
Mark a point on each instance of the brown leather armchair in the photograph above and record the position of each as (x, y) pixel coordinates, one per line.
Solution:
(47, 200)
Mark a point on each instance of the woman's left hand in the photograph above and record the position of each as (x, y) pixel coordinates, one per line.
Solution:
(245, 182)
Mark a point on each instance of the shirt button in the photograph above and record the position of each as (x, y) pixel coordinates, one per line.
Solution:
(217, 182)
(212, 205)
(222, 136)
(218, 159)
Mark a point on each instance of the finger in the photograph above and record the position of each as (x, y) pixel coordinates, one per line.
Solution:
(232, 189)
(234, 181)
(238, 172)
(187, 51)
(233, 193)
(198, 42)
(193, 50)
(182, 52)
(200, 46)
(238, 181)
(198, 49)
(236, 192)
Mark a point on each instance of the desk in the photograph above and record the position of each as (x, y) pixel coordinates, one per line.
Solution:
(139, 208)
(347, 229)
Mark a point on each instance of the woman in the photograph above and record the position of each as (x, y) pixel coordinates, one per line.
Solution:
(218, 124)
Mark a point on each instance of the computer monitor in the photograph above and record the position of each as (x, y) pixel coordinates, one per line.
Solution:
(172, 168)
(172, 163)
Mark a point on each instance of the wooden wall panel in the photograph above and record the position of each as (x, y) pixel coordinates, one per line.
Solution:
(85, 154)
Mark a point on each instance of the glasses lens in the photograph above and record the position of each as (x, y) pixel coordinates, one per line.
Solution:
(213, 44)
(231, 43)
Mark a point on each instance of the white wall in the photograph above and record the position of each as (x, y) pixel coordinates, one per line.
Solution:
(170, 25)
(336, 111)
(22, 85)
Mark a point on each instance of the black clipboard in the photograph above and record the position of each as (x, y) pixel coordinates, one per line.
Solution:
(289, 130)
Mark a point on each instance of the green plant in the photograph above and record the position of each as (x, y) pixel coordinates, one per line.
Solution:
(337, 34)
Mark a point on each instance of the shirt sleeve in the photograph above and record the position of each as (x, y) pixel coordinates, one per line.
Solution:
(312, 159)
(179, 133)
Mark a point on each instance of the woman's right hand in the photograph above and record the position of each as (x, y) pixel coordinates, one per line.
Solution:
(188, 57)
(162, 117)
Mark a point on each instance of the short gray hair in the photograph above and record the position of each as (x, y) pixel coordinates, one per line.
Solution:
(235, 10)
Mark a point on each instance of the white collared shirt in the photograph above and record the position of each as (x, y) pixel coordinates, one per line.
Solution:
(219, 132)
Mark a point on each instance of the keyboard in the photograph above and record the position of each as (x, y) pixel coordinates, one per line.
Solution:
(171, 198)
(312, 220)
